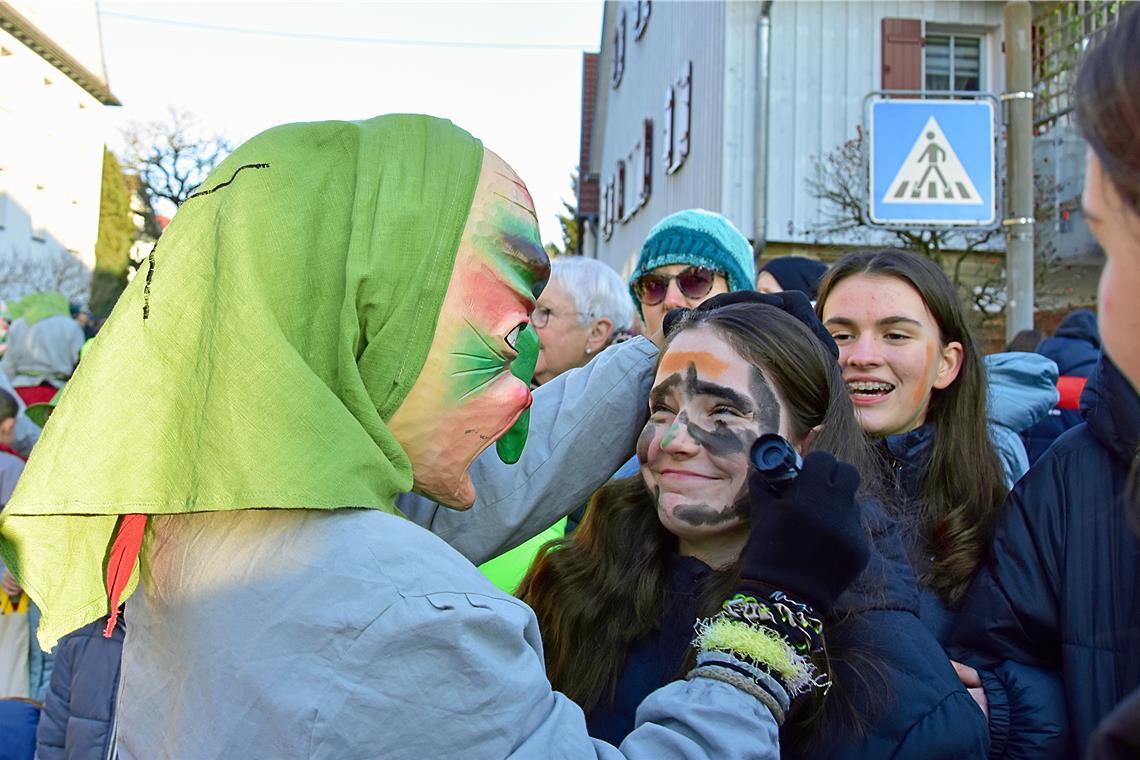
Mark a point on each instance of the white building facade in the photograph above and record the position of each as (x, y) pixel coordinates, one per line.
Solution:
(53, 92)
(727, 105)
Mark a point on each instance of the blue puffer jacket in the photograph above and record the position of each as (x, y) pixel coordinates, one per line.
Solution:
(78, 716)
(1022, 390)
(1075, 347)
(895, 679)
(1052, 621)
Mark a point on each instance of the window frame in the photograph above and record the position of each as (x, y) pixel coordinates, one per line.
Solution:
(952, 32)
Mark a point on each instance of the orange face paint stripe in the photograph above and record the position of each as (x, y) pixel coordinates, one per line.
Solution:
(706, 363)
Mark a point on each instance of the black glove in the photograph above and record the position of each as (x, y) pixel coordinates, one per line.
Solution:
(809, 541)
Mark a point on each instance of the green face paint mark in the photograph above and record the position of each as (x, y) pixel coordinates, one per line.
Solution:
(510, 445)
(670, 434)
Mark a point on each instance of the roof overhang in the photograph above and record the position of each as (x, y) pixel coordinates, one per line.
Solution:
(26, 32)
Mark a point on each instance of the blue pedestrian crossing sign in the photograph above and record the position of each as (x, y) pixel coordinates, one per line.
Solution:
(932, 162)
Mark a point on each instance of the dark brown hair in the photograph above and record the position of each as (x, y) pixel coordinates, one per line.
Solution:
(963, 486)
(603, 588)
(1106, 101)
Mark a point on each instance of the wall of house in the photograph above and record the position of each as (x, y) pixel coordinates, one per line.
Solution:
(825, 58)
(52, 134)
(676, 34)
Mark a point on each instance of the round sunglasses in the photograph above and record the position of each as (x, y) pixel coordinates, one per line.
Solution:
(694, 282)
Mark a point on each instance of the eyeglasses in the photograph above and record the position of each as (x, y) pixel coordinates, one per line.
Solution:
(541, 316)
(694, 282)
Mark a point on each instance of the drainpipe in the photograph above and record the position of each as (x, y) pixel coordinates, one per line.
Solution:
(763, 67)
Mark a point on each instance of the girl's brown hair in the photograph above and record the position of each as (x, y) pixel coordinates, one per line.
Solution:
(963, 486)
(604, 588)
(1106, 101)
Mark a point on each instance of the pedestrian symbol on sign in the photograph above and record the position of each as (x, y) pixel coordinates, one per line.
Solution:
(932, 173)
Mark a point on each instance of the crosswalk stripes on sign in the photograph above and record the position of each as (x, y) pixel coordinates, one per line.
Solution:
(932, 173)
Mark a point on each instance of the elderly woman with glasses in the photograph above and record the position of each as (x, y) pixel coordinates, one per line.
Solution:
(584, 308)
(689, 257)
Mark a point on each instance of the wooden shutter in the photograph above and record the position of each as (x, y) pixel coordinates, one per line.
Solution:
(646, 163)
(619, 51)
(683, 116)
(902, 54)
(619, 193)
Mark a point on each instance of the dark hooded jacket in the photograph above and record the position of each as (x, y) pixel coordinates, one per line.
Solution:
(1058, 601)
(894, 679)
(1075, 347)
(79, 708)
(905, 457)
(1118, 735)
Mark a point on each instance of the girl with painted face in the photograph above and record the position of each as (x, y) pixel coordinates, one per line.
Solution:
(616, 600)
(915, 375)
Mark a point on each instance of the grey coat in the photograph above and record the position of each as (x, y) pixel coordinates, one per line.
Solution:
(354, 634)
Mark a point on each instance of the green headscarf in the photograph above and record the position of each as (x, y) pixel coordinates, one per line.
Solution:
(254, 361)
(37, 306)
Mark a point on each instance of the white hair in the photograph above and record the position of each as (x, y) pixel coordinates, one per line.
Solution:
(597, 290)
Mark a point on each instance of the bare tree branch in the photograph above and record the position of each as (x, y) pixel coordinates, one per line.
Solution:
(172, 157)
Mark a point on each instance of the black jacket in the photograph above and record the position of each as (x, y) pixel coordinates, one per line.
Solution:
(896, 679)
(906, 456)
(1075, 347)
(1053, 619)
(79, 708)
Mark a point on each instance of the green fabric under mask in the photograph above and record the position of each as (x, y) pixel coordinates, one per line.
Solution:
(35, 307)
(290, 308)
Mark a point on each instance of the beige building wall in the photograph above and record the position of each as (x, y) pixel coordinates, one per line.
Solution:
(53, 128)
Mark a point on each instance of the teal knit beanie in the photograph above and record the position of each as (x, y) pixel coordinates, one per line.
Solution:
(698, 238)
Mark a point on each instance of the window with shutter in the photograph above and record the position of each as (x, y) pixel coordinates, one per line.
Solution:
(641, 18)
(902, 54)
(953, 62)
(683, 117)
(619, 50)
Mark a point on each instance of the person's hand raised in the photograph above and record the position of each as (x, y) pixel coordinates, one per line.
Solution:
(807, 541)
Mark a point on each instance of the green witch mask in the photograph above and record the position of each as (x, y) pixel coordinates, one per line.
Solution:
(284, 326)
(474, 386)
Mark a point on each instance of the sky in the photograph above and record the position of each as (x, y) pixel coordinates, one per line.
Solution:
(509, 73)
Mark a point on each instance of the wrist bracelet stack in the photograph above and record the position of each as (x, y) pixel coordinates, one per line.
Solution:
(762, 644)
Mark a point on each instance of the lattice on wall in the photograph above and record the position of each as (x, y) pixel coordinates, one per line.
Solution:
(1062, 31)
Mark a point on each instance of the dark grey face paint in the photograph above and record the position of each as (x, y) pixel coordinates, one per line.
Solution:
(646, 438)
(721, 441)
(769, 408)
(704, 514)
(660, 394)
